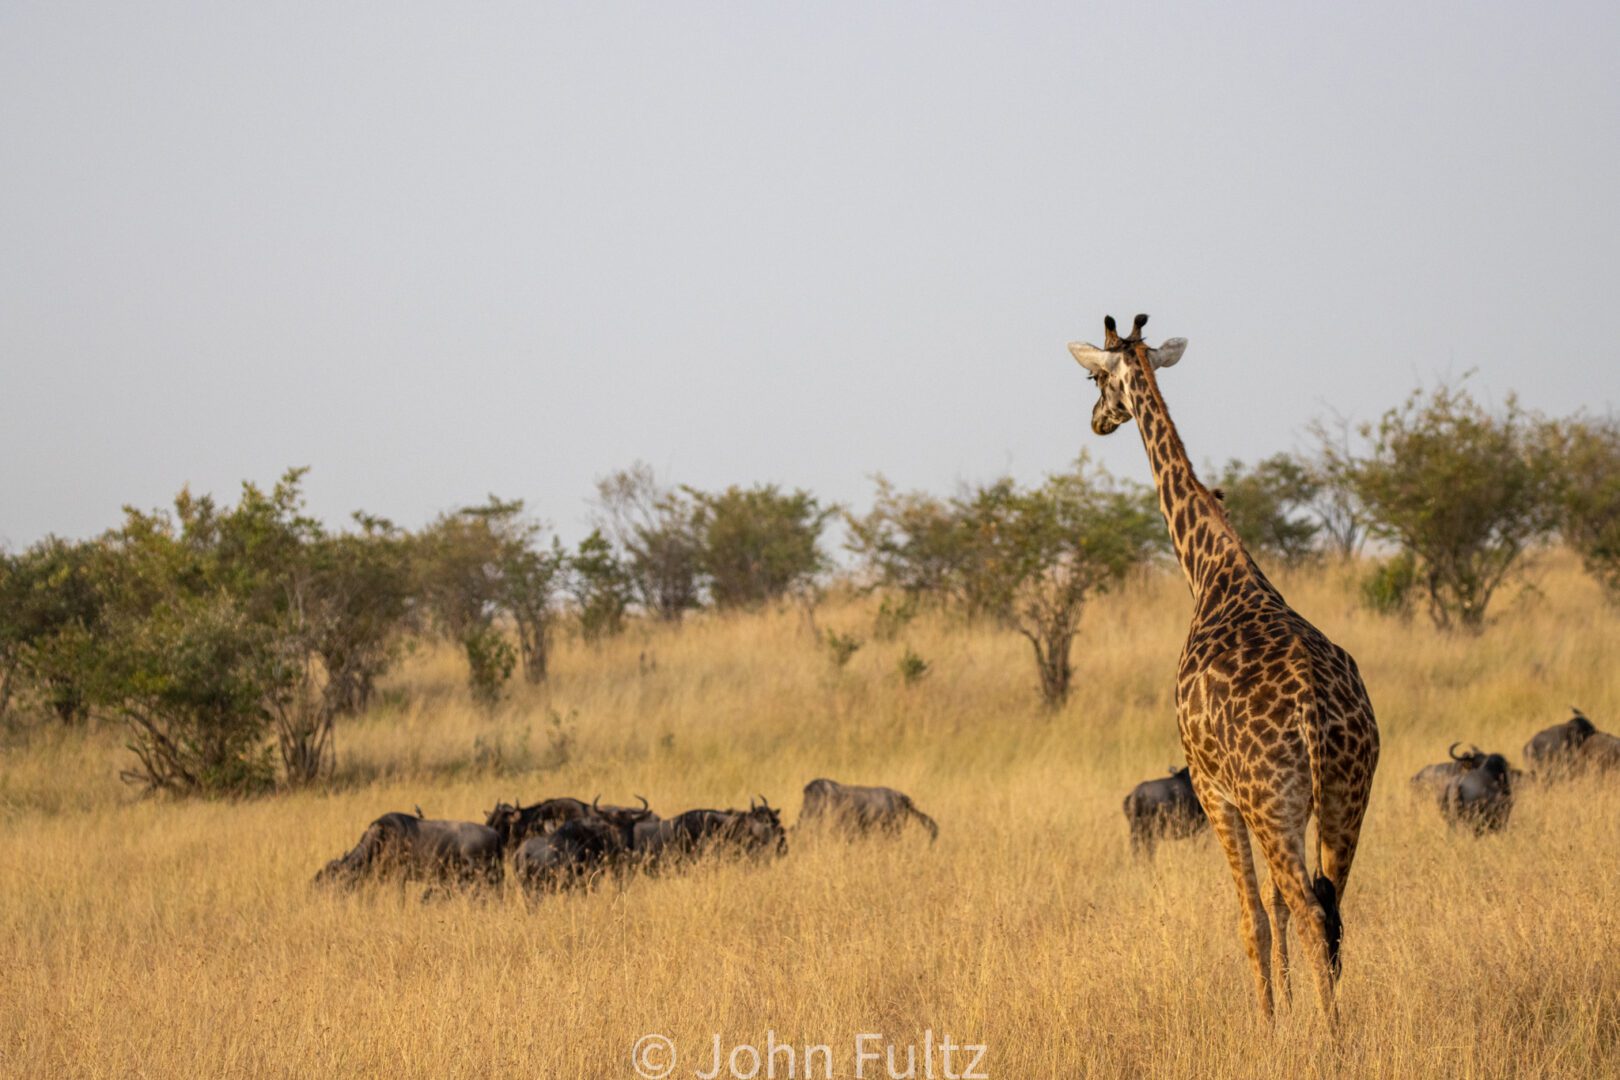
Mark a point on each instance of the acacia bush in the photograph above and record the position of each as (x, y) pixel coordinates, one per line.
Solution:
(1341, 518)
(201, 623)
(657, 529)
(1464, 490)
(912, 545)
(1029, 558)
(602, 586)
(758, 544)
(1270, 506)
(356, 592)
(1589, 484)
(217, 635)
(482, 564)
(50, 626)
(1039, 555)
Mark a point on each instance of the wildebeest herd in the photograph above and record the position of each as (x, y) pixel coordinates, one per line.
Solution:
(563, 842)
(1474, 790)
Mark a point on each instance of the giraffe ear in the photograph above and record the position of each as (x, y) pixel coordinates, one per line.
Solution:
(1095, 360)
(1167, 354)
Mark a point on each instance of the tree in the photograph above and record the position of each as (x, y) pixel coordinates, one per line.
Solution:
(349, 605)
(910, 542)
(656, 527)
(1336, 503)
(50, 627)
(482, 563)
(602, 587)
(1589, 487)
(1268, 506)
(196, 676)
(757, 544)
(205, 636)
(223, 626)
(1463, 490)
(357, 598)
(1037, 555)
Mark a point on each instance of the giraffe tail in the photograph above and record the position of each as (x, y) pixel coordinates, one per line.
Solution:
(1327, 895)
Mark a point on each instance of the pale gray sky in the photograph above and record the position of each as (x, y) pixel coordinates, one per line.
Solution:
(438, 250)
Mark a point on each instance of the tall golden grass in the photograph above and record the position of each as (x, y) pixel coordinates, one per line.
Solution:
(159, 938)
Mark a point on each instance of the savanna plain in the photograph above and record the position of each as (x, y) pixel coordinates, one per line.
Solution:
(153, 937)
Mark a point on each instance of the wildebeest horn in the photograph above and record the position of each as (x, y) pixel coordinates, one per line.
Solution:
(1452, 751)
(643, 800)
(750, 804)
(764, 803)
(594, 802)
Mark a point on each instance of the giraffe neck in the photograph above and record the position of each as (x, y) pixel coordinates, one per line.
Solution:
(1203, 538)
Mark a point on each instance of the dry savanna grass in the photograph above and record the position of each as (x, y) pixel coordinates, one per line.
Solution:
(158, 938)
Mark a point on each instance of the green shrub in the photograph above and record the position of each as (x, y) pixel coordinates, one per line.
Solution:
(490, 662)
(602, 588)
(1464, 491)
(841, 647)
(758, 544)
(1388, 588)
(913, 667)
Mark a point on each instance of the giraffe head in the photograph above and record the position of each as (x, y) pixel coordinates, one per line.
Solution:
(1107, 367)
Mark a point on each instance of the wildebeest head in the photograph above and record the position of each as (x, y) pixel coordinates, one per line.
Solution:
(762, 827)
(340, 869)
(623, 819)
(1481, 797)
(506, 819)
(516, 823)
(503, 813)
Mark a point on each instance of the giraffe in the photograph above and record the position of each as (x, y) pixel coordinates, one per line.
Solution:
(1274, 718)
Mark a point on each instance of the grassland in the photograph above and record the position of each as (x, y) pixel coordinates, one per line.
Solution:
(160, 938)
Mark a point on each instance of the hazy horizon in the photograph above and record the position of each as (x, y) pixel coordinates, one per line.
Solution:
(433, 257)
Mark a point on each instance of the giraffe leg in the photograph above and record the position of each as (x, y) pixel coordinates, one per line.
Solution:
(1285, 857)
(1234, 837)
(1279, 943)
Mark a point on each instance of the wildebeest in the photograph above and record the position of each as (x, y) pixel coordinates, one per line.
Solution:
(1481, 798)
(575, 852)
(862, 809)
(756, 831)
(409, 846)
(1551, 752)
(1431, 780)
(580, 847)
(1166, 808)
(1600, 753)
(517, 823)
